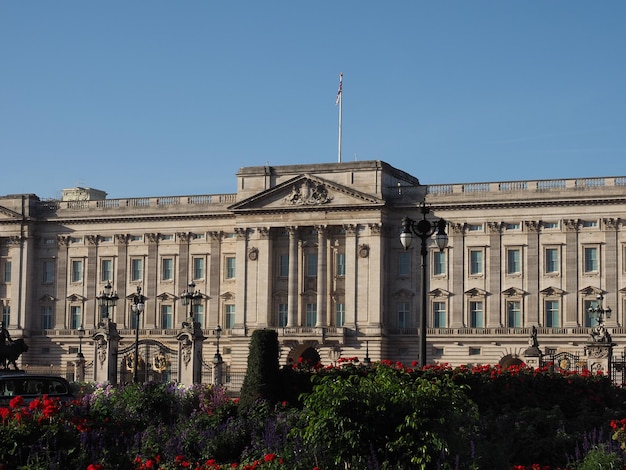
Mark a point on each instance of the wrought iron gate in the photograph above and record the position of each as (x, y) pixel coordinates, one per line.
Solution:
(157, 362)
(563, 362)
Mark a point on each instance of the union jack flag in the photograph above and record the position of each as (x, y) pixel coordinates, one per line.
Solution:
(339, 90)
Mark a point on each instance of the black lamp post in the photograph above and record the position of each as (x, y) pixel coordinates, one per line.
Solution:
(191, 297)
(80, 375)
(599, 312)
(106, 299)
(218, 357)
(137, 306)
(423, 229)
(81, 335)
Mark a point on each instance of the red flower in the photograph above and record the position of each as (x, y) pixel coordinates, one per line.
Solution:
(269, 457)
(95, 466)
(16, 401)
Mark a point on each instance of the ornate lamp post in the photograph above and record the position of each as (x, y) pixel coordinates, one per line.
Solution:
(423, 229)
(80, 358)
(217, 358)
(106, 299)
(599, 313)
(137, 306)
(191, 297)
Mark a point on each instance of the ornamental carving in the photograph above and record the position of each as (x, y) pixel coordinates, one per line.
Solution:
(308, 193)
(122, 238)
(571, 225)
(253, 254)
(364, 251)
(532, 225)
(152, 237)
(160, 363)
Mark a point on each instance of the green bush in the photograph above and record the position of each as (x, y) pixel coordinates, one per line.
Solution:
(262, 374)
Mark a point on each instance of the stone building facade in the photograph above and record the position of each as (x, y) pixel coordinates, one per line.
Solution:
(314, 252)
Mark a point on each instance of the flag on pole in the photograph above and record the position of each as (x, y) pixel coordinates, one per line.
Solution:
(339, 90)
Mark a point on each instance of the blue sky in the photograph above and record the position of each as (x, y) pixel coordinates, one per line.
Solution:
(162, 97)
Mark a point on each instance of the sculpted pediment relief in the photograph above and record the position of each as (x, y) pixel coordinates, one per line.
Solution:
(476, 292)
(513, 292)
(552, 291)
(306, 192)
(439, 293)
(591, 290)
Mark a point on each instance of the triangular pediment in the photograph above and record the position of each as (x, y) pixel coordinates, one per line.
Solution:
(551, 291)
(76, 298)
(227, 296)
(476, 292)
(9, 215)
(166, 296)
(591, 290)
(439, 293)
(402, 294)
(306, 192)
(513, 292)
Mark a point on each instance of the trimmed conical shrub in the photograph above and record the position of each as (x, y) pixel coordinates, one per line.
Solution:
(261, 381)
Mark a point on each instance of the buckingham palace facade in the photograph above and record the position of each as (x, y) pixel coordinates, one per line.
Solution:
(313, 251)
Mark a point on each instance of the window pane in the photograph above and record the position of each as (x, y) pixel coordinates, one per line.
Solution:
(589, 321)
(403, 263)
(7, 271)
(311, 314)
(552, 260)
(311, 265)
(230, 267)
(77, 271)
(48, 272)
(513, 261)
(403, 314)
(283, 265)
(552, 313)
(75, 317)
(591, 260)
(166, 316)
(476, 262)
(341, 264)
(476, 314)
(167, 269)
(439, 315)
(198, 314)
(46, 317)
(282, 315)
(198, 268)
(340, 314)
(439, 263)
(514, 314)
(6, 315)
(136, 270)
(230, 317)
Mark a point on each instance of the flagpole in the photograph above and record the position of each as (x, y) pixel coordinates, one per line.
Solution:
(340, 103)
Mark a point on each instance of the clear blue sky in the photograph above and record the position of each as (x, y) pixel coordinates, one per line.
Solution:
(163, 97)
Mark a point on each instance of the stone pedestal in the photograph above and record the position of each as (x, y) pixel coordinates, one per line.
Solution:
(190, 340)
(79, 368)
(532, 354)
(218, 364)
(106, 340)
(599, 356)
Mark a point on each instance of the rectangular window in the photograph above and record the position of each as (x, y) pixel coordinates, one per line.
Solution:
(403, 263)
(513, 261)
(106, 270)
(136, 269)
(283, 265)
(282, 315)
(230, 267)
(167, 269)
(198, 268)
(550, 225)
(167, 320)
(48, 272)
(439, 263)
(591, 259)
(514, 314)
(75, 317)
(589, 320)
(311, 264)
(135, 320)
(341, 264)
(77, 270)
(476, 262)
(230, 316)
(474, 227)
(7, 271)
(403, 312)
(476, 315)
(198, 314)
(552, 260)
(311, 314)
(340, 314)
(6, 315)
(474, 351)
(552, 313)
(439, 314)
(46, 317)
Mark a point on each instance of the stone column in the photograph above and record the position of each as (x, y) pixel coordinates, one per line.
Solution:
(352, 274)
(457, 274)
(494, 318)
(292, 290)
(321, 276)
(60, 317)
(106, 340)
(190, 342)
(570, 313)
(532, 306)
(611, 270)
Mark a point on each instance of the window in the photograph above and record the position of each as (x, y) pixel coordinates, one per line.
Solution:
(340, 314)
(198, 268)
(512, 226)
(77, 271)
(136, 269)
(341, 264)
(439, 314)
(550, 225)
(476, 262)
(282, 315)
(403, 263)
(552, 260)
(6, 315)
(591, 259)
(403, 311)
(311, 264)
(167, 269)
(134, 320)
(439, 263)
(476, 314)
(589, 320)
(474, 227)
(75, 317)
(48, 272)
(106, 270)
(552, 313)
(514, 314)
(513, 263)
(230, 267)
(167, 320)
(198, 314)
(7, 271)
(46, 317)
(589, 223)
(283, 265)
(311, 314)
(474, 351)
(230, 316)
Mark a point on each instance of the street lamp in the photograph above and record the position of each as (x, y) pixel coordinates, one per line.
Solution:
(217, 358)
(599, 313)
(191, 297)
(423, 229)
(80, 358)
(106, 299)
(137, 306)
(81, 335)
